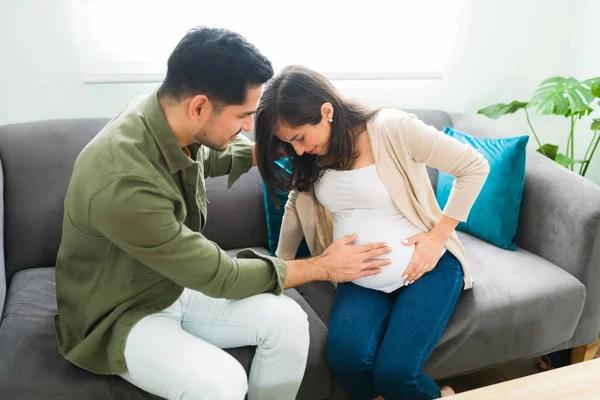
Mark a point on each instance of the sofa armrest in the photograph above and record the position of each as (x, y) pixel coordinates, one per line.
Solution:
(3, 283)
(2, 293)
(559, 221)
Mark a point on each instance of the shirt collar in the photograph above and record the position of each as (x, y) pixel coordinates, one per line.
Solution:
(164, 136)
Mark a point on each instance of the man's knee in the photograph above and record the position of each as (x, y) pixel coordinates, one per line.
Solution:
(294, 315)
(285, 326)
(282, 314)
(230, 383)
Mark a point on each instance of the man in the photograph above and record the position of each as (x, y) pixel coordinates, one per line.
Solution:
(141, 292)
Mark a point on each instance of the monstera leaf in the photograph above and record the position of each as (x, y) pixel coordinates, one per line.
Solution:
(549, 150)
(563, 96)
(498, 110)
(595, 86)
(563, 160)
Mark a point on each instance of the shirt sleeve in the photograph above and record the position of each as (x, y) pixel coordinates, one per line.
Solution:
(139, 218)
(234, 161)
(427, 145)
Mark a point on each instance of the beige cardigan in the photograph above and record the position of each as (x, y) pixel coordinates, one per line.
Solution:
(402, 147)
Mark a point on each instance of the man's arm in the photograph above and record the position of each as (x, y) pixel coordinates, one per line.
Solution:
(235, 161)
(139, 218)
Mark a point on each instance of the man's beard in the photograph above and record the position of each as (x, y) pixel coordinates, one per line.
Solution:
(207, 137)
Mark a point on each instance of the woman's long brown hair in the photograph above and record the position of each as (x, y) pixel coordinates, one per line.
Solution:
(295, 97)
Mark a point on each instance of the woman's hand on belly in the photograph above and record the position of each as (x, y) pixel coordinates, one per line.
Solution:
(428, 251)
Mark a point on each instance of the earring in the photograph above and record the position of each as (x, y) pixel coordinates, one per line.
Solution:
(330, 119)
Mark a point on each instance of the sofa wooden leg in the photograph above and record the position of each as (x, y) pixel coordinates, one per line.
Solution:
(585, 352)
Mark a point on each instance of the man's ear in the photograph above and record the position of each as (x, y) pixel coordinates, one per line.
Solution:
(199, 107)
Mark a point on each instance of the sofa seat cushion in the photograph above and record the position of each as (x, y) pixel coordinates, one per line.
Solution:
(521, 305)
(31, 367)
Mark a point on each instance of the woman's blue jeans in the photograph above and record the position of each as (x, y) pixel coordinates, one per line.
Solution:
(378, 342)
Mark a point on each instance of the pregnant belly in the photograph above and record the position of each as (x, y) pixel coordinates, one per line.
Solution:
(389, 229)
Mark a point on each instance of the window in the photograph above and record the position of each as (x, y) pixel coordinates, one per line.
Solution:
(130, 40)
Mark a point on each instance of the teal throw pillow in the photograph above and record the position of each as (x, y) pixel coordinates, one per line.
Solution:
(494, 216)
(275, 216)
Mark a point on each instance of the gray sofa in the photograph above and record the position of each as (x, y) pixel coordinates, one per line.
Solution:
(543, 297)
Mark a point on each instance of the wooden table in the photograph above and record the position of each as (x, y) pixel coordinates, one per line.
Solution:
(578, 381)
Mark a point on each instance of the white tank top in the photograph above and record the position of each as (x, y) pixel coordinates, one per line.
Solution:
(360, 203)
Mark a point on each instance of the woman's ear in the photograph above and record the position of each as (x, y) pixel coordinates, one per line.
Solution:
(327, 112)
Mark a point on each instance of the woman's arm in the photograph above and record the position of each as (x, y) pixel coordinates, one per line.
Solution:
(291, 233)
(427, 145)
(431, 147)
(444, 229)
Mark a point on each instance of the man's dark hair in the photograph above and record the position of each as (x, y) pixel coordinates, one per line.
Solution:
(217, 63)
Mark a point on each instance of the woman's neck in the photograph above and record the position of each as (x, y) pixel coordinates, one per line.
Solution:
(361, 149)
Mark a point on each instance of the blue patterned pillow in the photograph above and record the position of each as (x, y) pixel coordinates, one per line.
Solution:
(494, 216)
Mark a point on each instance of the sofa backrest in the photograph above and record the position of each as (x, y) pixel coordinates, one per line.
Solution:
(236, 216)
(2, 270)
(37, 160)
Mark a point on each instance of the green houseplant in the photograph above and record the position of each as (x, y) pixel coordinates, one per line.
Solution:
(565, 96)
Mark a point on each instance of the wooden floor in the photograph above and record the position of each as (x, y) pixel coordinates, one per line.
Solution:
(492, 376)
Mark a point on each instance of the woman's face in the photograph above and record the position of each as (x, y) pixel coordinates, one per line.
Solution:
(311, 139)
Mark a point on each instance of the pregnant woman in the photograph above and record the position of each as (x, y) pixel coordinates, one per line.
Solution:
(363, 172)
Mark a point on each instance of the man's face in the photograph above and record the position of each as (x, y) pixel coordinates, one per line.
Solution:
(223, 125)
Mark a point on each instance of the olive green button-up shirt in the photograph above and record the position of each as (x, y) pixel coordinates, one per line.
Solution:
(131, 240)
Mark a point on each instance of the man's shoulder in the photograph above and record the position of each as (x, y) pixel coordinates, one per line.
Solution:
(123, 147)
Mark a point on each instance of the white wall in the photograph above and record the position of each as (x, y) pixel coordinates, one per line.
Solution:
(41, 74)
(583, 61)
(508, 48)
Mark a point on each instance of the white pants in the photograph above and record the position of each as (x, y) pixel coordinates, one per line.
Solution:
(177, 353)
